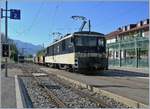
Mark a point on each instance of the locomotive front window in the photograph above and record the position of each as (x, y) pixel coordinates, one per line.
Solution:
(86, 41)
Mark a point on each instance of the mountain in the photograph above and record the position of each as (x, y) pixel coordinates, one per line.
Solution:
(28, 47)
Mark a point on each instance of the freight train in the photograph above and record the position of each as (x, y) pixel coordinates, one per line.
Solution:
(79, 52)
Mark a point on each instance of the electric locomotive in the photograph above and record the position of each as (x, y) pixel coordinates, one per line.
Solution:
(80, 51)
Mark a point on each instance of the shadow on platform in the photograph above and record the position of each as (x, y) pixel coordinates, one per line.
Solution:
(121, 73)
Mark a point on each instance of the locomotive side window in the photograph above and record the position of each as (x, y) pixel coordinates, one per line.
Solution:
(57, 48)
(63, 45)
(78, 41)
(100, 42)
(47, 51)
(69, 43)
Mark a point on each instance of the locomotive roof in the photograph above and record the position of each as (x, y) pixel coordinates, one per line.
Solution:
(86, 33)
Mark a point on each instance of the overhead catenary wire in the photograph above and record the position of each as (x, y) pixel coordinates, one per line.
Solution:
(53, 18)
(33, 21)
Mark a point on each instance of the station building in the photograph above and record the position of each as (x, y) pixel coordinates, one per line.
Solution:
(128, 46)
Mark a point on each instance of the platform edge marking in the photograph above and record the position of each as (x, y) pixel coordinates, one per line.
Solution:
(19, 97)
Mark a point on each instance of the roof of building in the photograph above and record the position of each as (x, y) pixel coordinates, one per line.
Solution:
(120, 31)
(112, 34)
(135, 29)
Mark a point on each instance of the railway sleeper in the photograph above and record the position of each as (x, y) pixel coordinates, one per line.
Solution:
(55, 99)
(79, 91)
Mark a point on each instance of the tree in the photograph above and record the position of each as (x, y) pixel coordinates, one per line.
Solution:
(13, 48)
(14, 52)
(41, 52)
(30, 56)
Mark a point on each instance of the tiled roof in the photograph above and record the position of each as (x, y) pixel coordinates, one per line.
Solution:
(112, 34)
(119, 32)
(135, 29)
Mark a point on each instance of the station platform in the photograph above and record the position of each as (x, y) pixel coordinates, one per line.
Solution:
(132, 85)
(8, 91)
(131, 69)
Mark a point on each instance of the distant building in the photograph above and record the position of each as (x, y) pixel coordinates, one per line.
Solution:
(129, 45)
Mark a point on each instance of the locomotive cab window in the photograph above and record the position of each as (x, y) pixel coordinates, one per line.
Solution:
(70, 43)
(78, 41)
(100, 42)
(86, 41)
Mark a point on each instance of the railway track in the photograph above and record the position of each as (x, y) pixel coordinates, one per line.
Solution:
(98, 102)
(60, 96)
(54, 98)
(50, 91)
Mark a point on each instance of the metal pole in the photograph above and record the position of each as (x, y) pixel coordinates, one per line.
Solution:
(6, 39)
(120, 57)
(137, 60)
(120, 54)
(136, 53)
(89, 26)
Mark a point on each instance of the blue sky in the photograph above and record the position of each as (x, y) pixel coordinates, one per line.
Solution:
(39, 19)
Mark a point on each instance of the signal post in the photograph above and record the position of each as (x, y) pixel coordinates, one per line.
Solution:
(14, 14)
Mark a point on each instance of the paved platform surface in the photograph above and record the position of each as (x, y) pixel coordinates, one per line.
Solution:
(132, 85)
(131, 69)
(8, 92)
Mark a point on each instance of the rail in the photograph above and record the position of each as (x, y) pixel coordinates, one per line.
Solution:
(85, 95)
(55, 99)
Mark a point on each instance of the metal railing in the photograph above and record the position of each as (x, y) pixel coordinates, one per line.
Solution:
(138, 45)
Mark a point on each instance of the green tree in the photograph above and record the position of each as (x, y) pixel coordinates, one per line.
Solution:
(13, 52)
(30, 56)
(41, 52)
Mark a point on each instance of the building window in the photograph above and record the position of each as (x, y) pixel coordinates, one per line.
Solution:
(116, 39)
(117, 54)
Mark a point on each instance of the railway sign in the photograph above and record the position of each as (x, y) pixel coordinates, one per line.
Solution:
(5, 50)
(15, 14)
